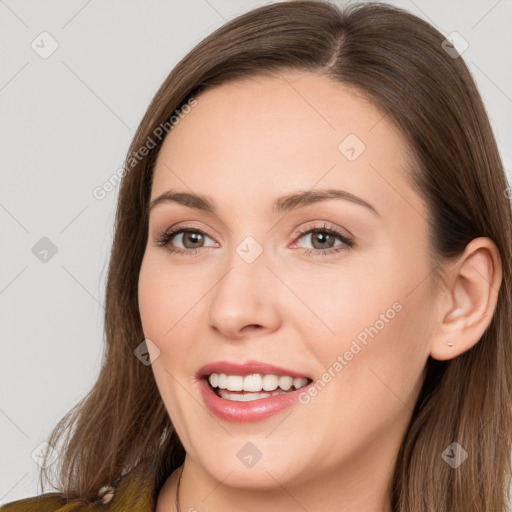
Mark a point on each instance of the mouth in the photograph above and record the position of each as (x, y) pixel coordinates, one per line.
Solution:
(250, 391)
(252, 396)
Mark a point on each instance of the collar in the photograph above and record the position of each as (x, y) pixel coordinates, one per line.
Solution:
(134, 491)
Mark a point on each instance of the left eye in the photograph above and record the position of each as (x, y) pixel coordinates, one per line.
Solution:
(323, 240)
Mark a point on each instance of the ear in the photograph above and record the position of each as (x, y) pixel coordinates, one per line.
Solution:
(466, 309)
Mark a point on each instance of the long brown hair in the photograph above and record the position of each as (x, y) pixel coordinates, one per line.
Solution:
(398, 61)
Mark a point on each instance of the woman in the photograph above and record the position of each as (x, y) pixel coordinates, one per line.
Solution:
(376, 377)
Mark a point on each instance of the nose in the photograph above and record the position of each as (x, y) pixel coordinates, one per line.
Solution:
(243, 301)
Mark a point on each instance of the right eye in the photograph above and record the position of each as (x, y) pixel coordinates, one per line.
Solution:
(188, 235)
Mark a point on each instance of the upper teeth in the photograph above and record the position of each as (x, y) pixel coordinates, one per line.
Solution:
(255, 382)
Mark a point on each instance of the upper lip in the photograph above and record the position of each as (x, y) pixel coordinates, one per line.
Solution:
(247, 368)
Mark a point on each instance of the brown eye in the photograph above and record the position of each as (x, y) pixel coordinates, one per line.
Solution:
(194, 238)
(323, 240)
(191, 238)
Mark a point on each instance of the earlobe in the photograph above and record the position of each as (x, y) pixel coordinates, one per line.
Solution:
(470, 302)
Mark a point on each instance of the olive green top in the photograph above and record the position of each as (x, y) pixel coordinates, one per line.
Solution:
(132, 492)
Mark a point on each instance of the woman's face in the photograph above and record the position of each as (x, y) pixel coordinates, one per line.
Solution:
(254, 282)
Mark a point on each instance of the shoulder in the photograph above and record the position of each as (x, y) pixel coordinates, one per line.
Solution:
(131, 492)
(50, 502)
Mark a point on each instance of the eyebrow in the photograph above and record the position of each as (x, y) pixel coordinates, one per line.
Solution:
(281, 204)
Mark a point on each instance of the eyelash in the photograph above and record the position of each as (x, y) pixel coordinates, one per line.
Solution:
(163, 239)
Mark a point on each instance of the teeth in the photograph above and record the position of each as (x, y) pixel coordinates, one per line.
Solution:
(270, 382)
(252, 383)
(248, 397)
(256, 382)
(222, 382)
(285, 382)
(235, 382)
(214, 379)
(299, 382)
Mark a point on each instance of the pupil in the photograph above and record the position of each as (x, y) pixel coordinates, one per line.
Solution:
(322, 234)
(189, 234)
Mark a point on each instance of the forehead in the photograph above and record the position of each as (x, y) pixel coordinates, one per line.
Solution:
(262, 137)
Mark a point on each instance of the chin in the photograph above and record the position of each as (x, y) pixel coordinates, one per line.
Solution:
(252, 463)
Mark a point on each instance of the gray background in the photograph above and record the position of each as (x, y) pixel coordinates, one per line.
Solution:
(67, 121)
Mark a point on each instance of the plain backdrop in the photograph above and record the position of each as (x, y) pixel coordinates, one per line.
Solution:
(67, 120)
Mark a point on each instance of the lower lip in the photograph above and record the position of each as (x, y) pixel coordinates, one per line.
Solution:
(254, 410)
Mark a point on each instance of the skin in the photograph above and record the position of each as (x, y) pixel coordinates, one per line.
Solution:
(245, 144)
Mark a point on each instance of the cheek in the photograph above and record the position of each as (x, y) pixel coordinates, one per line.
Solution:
(163, 314)
(151, 295)
(379, 329)
(344, 304)
(170, 309)
(163, 297)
